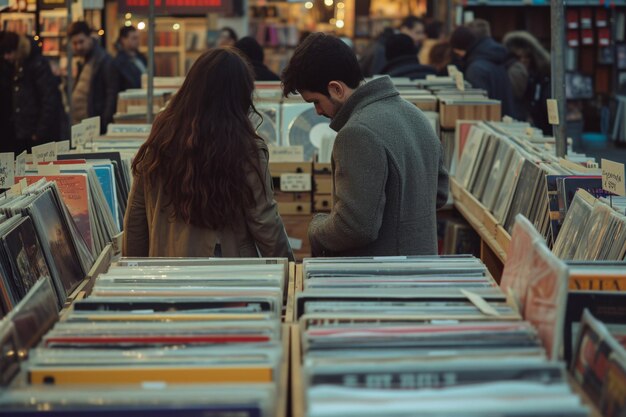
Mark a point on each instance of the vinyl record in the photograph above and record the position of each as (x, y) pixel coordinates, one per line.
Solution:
(307, 130)
(266, 127)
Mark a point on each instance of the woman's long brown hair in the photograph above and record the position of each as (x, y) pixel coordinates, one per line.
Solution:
(201, 147)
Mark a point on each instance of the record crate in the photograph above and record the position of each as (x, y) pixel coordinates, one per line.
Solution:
(291, 202)
(495, 240)
(451, 111)
(322, 187)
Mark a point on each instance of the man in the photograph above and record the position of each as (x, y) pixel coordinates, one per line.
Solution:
(485, 66)
(414, 28)
(227, 37)
(254, 52)
(129, 62)
(402, 59)
(387, 161)
(97, 83)
(36, 105)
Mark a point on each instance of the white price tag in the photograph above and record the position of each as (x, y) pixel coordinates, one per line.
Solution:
(92, 129)
(79, 135)
(20, 164)
(553, 111)
(460, 81)
(295, 182)
(45, 153)
(7, 170)
(613, 177)
(286, 153)
(63, 146)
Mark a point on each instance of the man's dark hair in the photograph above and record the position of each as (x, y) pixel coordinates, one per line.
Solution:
(126, 30)
(319, 60)
(462, 38)
(480, 27)
(399, 45)
(231, 32)
(409, 22)
(77, 28)
(250, 48)
(433, 29)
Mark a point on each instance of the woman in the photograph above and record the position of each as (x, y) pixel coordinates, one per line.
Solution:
(537, 90)
(201, 181)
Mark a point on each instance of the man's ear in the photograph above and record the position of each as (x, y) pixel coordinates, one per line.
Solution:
(336, 90)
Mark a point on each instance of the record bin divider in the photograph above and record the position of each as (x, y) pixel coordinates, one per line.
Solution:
(584, 398)
(282, 396)
(117, 243)
(291, 290)
(101, 266)
(298, 408)
(492, 234)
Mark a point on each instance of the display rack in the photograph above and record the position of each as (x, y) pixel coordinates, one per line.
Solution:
(495, 240)
(21, 23)
(178, 43)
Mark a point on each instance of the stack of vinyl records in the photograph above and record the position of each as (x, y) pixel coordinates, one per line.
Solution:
(90, 191)
(39, 241)
(511, 174)
(188, 337)
(432, 347)
(591, 231)
(113, 169)
(599, 364)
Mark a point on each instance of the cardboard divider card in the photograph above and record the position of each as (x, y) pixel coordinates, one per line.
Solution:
(613, 177)
(92, 128)
(79, 135)
(45, 153)
(20, 164)
(553, 111)
(460, 81)
(286, 153)
(49, 169)
(63, 146)
(295, 182)
(452, 70)
(7, 169)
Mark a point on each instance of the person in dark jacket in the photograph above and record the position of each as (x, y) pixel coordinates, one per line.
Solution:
(97, 83)
(373, 60)
(37, 105)
(6, 106)
(484, 66)
(129, 61)
(402, 61)
(536, 59)
(254, 52)
(389, 174)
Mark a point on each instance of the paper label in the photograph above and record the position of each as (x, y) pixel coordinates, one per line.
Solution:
(63, 146)
(286, 153)
(7, 170)
(49, 169)
(16, 189)
(296, 244)
(480, 302)
(430, 77)
(530, 131)
(460, 81)
(613, 177)
(92, 128)
(20, 164)
(79, 135)
(295, 182)
(553, 111)
(452, 70)
(45, 153)
(507, 119)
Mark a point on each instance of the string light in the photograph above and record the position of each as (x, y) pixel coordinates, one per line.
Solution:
(328, 2)
(128, 23)
(101, 32)
(341, 5)
(340, 24)
(141, 25)
(308, 5)
(175, 26)
(128, 16)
